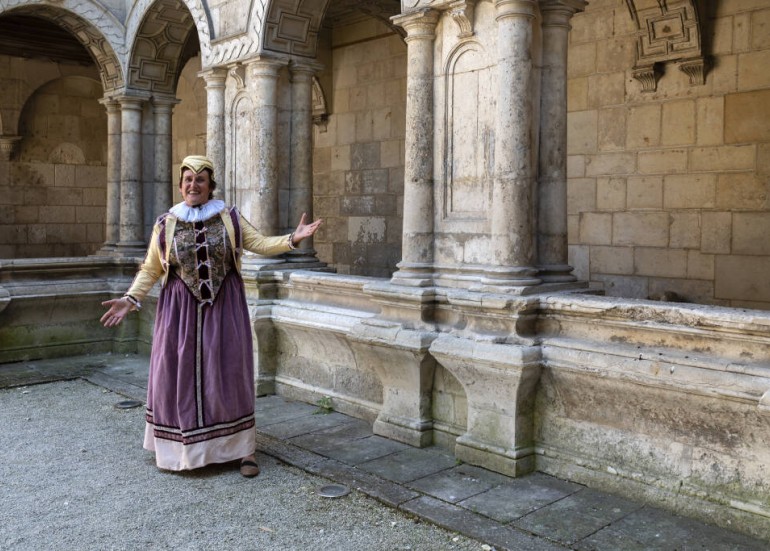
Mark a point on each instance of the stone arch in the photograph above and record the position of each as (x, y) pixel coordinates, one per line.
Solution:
(293, 28)
(100, 33)
(160, 46)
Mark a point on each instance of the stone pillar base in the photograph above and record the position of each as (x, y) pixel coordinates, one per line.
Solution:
(418, 433)
(508, 462)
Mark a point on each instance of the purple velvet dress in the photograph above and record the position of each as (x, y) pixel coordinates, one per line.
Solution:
(200, 396)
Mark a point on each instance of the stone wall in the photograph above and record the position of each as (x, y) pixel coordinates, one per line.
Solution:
(53, 188)
(188, 123)
(668, 190)
(358, 159)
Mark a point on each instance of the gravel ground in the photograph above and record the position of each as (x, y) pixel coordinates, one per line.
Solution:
(73, 475)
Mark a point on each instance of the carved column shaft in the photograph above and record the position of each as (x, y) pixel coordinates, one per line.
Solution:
(263, 81)
(131, 218)
(512, 234)
(417, 239)
(552, 248)
(163, 179)
(301, 179)
(215, 123)
(112, 225)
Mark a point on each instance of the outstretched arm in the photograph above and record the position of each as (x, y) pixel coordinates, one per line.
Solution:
(304, 230)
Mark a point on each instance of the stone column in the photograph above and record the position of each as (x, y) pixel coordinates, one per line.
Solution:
(301, 178)
(215, 123)
(131, 239)
(552, 252)
(163, 178)
(416, 266)
(262, 80)
(513, 224)
(112, 217)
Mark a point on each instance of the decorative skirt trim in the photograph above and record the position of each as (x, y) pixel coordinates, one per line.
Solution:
(172, 455)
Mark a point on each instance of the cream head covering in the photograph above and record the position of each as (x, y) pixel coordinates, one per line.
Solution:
(196, 163)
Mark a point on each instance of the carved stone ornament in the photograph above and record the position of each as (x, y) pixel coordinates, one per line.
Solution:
(462, 13)
(7, 145)
(320, 112)
(667, 31)
(238, 72)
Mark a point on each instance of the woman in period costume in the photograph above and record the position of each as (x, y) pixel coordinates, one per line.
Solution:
(200, 393)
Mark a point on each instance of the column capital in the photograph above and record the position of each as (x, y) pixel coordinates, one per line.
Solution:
(515, 8)
(131, 102)
(162, 104)
(420, 24)
(265, 66)
(7, 145)
(557, 13)
(308, 68)
(111, 104)
(215, 76)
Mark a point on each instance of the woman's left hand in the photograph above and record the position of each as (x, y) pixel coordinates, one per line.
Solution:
(304, 229)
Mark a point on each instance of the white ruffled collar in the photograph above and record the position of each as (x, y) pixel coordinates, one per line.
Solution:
(197, 214)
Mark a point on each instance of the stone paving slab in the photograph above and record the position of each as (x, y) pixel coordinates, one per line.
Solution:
(458, 483)
(533, 512)
(518, 497)
(650, 529)
(477, 526)
(410, 464)
(577, 516)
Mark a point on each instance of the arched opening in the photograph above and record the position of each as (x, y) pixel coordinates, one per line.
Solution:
(359, 153)
(53, 167)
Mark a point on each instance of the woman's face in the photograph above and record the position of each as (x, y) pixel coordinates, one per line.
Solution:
(195, 188)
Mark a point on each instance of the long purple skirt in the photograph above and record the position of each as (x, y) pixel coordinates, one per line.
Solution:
(200, 394)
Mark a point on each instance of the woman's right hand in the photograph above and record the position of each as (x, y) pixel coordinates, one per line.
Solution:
(118, 309)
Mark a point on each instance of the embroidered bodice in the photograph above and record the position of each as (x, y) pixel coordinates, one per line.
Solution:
(199, 256)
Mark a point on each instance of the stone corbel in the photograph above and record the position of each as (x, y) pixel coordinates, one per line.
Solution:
(695, 69)
(238, 73)
(462, 12)
(667, 32)
(648, 77)
(7, 146)
(320, 111)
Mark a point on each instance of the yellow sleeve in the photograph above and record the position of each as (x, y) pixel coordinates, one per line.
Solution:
(257, 243)
(151, 269)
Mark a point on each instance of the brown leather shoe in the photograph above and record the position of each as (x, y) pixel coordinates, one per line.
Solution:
(249, 468)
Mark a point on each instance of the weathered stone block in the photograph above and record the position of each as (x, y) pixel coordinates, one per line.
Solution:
(596, 228)
(745, 117)
(576, 166)
(611, 193)
(581, 195)
(644, 192)
(606, 89)
(741, 190)
(710, 121)
(582, 131)
(640, 229)
(678, 123)
(700, 266)
(742, 278)
(340, 158)
(660, 262)
(689, 191)
(612, 129)
(716, 232)
(607, 164)
(715, 159)
(612, 260)
(582, 60)
(685, 230)
(643, 126)
(750, 231)
(663, 161)
(365, 155)
(579, 259)
(751, 72)
(577, 94)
